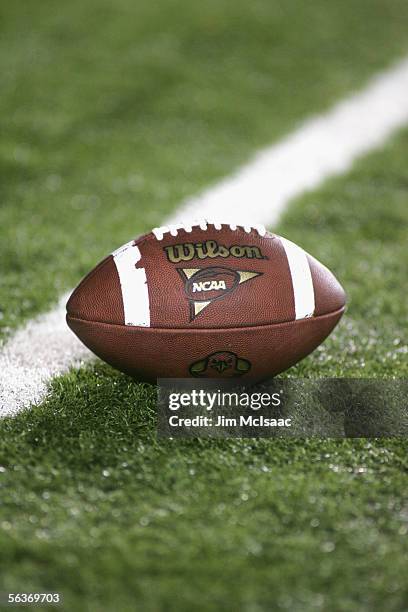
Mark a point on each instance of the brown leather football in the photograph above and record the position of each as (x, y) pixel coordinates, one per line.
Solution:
(206, 300)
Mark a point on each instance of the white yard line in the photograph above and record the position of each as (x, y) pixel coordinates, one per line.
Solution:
(323, 146)
(257, 193)
(43, 348)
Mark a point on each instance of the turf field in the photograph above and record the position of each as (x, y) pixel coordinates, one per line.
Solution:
(109, 118)
(111, 115)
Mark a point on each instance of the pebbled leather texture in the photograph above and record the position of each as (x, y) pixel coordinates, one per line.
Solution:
(98, 295)
(150, 353)
(218, 297)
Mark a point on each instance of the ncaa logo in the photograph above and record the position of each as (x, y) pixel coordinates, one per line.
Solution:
(209, 285)
(206, 285)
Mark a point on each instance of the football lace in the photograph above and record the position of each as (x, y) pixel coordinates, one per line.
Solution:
(173, 230)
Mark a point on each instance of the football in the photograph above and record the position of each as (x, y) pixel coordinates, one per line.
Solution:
(206, 300)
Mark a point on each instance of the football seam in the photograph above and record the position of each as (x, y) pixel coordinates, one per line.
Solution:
(207, 329)
(150, 236)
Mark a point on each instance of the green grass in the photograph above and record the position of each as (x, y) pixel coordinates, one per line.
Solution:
(112, 114)
(92, 505)
(357, 226)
